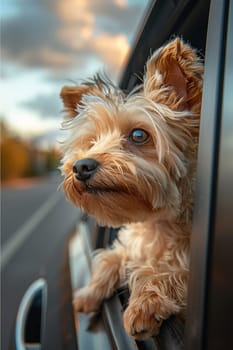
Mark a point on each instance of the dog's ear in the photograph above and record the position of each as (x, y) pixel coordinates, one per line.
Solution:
(72, 97)
(176, 67)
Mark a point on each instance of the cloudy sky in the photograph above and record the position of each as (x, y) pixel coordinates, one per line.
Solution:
(46, 44)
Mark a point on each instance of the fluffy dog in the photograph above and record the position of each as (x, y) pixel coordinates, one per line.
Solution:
(130, 160)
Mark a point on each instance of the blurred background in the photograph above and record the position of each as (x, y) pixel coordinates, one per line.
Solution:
(44, 45)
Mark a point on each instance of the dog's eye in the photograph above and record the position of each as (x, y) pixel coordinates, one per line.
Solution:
(139, 136)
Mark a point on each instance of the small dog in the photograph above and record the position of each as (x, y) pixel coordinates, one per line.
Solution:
(131, 160)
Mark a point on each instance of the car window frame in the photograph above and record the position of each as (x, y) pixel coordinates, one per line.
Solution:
(205, 232)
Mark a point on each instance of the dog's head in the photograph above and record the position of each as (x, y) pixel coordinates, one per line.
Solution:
(126, 156)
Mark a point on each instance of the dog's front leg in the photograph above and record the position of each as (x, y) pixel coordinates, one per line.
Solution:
(107, 273)
(154, 297)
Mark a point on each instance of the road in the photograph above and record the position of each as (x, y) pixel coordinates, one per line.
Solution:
(36, 224)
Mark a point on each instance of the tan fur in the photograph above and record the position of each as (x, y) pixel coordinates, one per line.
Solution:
(147, 187)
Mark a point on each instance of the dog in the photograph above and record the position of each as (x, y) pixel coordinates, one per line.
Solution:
(130, 161)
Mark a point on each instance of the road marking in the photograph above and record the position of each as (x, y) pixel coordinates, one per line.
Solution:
(18, 238)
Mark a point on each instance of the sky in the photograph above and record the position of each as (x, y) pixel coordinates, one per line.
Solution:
(46, 44)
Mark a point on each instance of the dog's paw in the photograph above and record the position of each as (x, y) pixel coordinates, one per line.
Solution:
(140, 322)
(85, 301)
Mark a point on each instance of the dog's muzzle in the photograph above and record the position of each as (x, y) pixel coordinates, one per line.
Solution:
(85, 168)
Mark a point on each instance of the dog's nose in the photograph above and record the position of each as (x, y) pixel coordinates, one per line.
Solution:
(85, 168)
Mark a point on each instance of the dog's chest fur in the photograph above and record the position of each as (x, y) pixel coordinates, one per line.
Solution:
(157, 244)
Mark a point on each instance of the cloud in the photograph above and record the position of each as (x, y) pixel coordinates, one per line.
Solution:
(117, 16)
(60, 35)
(47, 106)
(27, 36)
(112, 49)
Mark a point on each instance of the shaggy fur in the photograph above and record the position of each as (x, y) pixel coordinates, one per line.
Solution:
(146, 148)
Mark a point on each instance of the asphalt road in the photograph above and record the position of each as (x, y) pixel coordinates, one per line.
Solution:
(36, 224)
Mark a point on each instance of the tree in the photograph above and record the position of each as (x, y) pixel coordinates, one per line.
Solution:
(15, 160)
